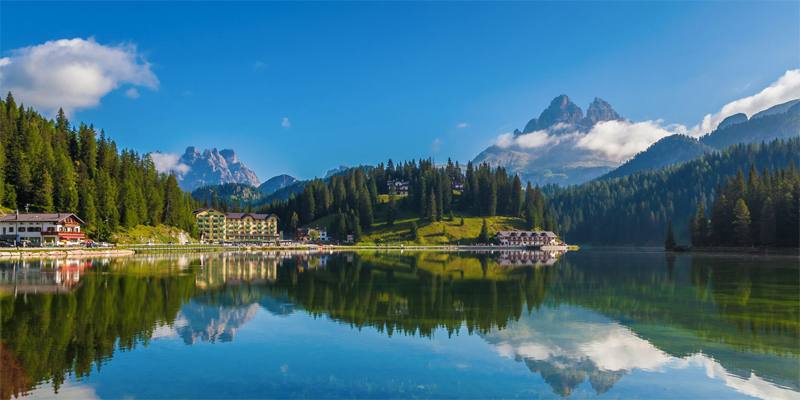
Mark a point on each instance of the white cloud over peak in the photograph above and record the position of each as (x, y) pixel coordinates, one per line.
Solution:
(621, 140)
(535, 139)
(169, 163)
(72, 73)
(786, 88)
(530, 140)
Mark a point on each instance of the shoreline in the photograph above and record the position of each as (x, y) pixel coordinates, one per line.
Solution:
(63, 253)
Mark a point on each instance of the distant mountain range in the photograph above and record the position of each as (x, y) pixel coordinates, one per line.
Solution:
(777, 122)
(550, 149)
(546, 150)
(213, 167)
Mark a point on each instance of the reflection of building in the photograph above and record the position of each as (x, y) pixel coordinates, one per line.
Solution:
(50, 276)
(238, 268)
(528, 257)
(42, 229)
(215, 226)
(527, 238)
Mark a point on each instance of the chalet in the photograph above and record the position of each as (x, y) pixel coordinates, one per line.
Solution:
(397, 187)
(527, 238)
(311, 235)
(42, 229)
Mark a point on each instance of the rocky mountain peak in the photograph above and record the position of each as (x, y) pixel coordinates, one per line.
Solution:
(214, 167)
(560, 110)
(599, 110)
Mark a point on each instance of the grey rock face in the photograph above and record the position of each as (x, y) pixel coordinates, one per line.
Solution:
(599, 111)
(214, 167)
(560, 110)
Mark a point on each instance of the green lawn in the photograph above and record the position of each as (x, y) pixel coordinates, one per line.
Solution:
(149, 234)
(439, 232)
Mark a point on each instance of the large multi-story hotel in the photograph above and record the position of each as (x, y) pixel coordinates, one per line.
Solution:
(217, 227)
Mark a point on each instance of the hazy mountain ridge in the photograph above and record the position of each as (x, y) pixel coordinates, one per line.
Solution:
(778, 122)
(276, 183)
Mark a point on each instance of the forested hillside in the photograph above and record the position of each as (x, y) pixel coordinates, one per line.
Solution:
(760, 211)
(636, 209)
(352, 201)
(51, 166)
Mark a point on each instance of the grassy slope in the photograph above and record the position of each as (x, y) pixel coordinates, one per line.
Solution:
(437, 233)
(430, 233)
(149, 234)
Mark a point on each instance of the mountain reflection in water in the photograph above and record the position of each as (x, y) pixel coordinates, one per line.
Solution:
(586, 319)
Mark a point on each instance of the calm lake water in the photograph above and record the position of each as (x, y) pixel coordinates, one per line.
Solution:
(393, 325)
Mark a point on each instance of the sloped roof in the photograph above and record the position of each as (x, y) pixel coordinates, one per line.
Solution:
(38, 217)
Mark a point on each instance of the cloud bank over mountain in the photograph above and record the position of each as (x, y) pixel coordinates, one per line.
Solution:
(564, 146)
(73, 74)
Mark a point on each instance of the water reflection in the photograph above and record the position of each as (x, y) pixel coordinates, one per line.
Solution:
(590, 318)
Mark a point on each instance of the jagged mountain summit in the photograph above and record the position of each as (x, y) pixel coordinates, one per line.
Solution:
(213, 167)
(546, 150)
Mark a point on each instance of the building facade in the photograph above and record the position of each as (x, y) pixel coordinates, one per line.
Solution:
(218, 227)
(527, 238)
(42, 229)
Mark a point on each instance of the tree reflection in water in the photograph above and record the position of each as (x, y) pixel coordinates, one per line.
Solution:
(571, 321)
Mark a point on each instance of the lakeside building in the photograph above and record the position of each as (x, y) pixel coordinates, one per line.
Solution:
(42, 229)
(306, 235)
(397, 187)
(527, 238)
(218, 227)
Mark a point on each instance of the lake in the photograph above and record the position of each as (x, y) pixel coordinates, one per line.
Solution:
(586, 324)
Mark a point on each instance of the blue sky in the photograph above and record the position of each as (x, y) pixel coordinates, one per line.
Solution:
(363, 82)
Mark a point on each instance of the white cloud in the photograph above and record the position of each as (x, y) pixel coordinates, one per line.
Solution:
(527, 141)
(132, 93)
(535, 139)
(285, 123)
(72, 73)
(621, 140)
(786, 88)
(169, 163)
(462, 125)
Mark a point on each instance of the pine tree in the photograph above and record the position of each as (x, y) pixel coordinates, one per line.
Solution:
(516, 197)
(365, 210)
(43, 194)
(767, 223)
(391, 212)
(669, 242)
(699, 226)
(483, 237)
(294, 223)
(414, 231)
(741, 223)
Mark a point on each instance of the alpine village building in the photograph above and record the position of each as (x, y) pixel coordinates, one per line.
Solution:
(42, 229)
(219, 227)
(527, 238)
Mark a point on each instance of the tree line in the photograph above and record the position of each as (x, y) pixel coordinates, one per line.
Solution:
(50, 166)
(355, 199)
(761, 210)
(636, 209)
